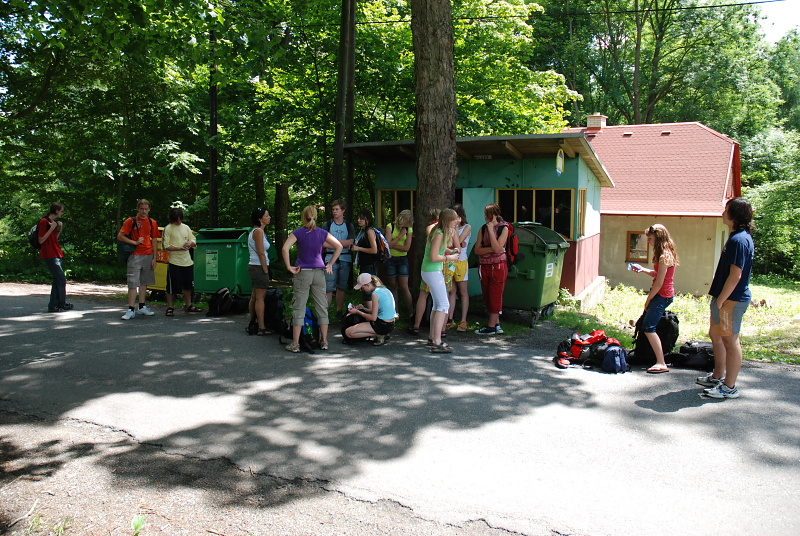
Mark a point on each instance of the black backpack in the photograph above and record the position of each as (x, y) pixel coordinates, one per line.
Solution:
(351, 319)
(273, 313)
(220, 303)
(694, 355)
(667, 330)
(33, 236)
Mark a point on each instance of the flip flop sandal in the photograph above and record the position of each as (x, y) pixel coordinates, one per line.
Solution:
(413, 331)
(170, 311)
(441, 349)
(192, 309)
(657, 370)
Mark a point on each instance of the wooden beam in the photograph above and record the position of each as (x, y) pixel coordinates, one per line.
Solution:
(513, 150)
(568, 150)
(463, 153)
(407, 151)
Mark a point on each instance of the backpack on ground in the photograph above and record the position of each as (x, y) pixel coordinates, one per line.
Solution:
(220, 303)
(33, 236)
(384, 251)
(667, 330)
(694, 355)
(351, 319)
(239, 304)
(615, 360)
(274, 309)
(309, 334)
(588, 350)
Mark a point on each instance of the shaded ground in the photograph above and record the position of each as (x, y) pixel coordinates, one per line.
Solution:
(207, 431)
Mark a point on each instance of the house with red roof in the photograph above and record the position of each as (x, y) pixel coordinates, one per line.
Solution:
(677, 174)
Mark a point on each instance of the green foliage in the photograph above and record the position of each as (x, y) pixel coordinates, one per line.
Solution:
(777, 220)
(771, 155)
(785, 65)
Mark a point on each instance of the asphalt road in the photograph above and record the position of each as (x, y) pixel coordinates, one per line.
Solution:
(492, 438)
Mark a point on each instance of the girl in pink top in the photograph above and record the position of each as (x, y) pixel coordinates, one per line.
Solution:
(665, 259)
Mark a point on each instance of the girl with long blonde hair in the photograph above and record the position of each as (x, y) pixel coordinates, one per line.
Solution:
(437, 252)
(662, 291)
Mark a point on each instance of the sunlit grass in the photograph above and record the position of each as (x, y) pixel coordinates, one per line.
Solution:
(768, 333)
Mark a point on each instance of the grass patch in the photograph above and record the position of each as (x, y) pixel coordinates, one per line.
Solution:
(768, 333)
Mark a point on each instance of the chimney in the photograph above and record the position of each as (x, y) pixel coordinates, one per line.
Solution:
(596, 121)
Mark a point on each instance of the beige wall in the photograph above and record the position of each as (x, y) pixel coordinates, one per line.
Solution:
(698, 241)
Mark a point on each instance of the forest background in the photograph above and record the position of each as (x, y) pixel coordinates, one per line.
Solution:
(102, 103)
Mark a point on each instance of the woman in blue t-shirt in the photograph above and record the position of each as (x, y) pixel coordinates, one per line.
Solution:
(730, 296)
(380, 312)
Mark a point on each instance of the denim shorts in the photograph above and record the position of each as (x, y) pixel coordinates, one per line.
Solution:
(654, 313)
(337, 280)
(397, 266)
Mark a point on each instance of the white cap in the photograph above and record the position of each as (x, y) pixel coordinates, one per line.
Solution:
(362, 280)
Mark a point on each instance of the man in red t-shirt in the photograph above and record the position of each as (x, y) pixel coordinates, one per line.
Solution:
(141, 232)
(49, 230)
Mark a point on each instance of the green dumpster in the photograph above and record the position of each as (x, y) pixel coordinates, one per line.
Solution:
(221, 259)
(534, 281)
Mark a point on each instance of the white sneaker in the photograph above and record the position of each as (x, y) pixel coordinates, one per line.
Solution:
(128, 315)
(146, 311)
(498, 329)
(722, 391)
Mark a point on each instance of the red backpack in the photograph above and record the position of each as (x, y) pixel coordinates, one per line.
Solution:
(512, 242)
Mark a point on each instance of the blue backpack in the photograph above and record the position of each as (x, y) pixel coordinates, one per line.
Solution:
(614, 360)
(309, 335)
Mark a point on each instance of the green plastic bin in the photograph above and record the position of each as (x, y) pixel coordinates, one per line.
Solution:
(221, 260)
(535, 280)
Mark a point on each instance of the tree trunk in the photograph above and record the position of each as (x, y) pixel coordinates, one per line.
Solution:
(280, 219)
(435, 127)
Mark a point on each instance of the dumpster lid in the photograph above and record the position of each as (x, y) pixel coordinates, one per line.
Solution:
(545, 234)
(222, 232)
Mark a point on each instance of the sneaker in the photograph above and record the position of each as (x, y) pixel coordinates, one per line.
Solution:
(708, 380)
(146, 311)
(722, 391)
(498, 329)
(129, 314)
(486, 330)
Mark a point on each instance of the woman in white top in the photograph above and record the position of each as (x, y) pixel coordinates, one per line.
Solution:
(258, 268)
(459, 286)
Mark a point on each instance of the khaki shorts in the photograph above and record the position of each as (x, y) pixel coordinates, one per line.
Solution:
(727, 320)
(140, 271)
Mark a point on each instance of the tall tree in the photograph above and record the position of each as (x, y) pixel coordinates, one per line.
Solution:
(435, 95)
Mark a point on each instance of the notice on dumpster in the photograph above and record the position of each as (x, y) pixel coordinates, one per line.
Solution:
(212, 265)
(551, 266)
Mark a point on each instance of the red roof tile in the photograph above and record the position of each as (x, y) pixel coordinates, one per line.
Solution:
(667, 168)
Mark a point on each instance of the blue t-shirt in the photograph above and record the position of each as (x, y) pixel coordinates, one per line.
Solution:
(386, 310)
(345, 231)
(738, 251)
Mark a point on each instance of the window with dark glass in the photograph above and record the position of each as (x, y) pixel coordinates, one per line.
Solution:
(551, 208)
(391, 203)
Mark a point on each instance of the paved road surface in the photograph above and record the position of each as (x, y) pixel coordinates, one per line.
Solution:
(490, 439)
